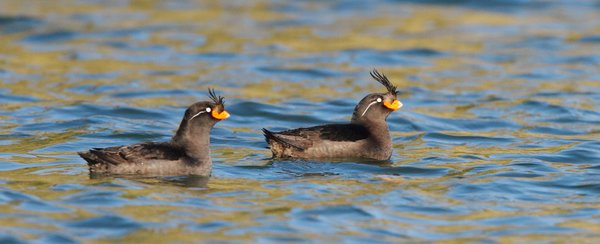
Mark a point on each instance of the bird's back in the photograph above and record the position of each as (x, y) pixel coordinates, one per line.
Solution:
(325, 141)
(145, 158)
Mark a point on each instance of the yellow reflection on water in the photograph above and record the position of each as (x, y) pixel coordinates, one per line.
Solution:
(49, 75)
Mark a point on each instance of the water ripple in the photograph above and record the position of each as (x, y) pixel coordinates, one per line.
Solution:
(103, 226)
(497, 139)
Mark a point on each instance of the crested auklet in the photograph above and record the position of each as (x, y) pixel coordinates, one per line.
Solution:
(187, 153)
(366, 136)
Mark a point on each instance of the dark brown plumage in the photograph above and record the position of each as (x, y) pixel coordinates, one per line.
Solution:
(187, 153)
(366, 136)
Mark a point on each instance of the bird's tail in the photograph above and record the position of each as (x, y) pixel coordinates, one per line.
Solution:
(270, 137)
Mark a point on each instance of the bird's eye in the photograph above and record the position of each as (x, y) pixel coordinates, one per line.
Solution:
(208, 110)
(379, 99)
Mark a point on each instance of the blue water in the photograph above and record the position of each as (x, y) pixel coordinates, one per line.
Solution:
(498, 139)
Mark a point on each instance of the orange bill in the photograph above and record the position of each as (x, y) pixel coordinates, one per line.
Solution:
(220, 116)
(394, 105)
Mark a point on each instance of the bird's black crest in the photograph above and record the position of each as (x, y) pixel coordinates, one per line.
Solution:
(381, 78)
(214, 97)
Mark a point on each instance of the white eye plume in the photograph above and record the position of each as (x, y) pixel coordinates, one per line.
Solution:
(207, 110)
(370, 104)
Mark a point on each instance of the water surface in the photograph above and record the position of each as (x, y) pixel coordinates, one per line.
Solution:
(499, 138)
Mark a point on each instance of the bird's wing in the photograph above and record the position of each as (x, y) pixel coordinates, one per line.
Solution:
(137, 153)
(303, 138)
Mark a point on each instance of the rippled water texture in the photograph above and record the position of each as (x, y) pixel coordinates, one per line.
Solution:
(499, 138)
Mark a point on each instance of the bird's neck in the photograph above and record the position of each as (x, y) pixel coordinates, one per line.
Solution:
(379, 139)
(378, 129)
(195, 141)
